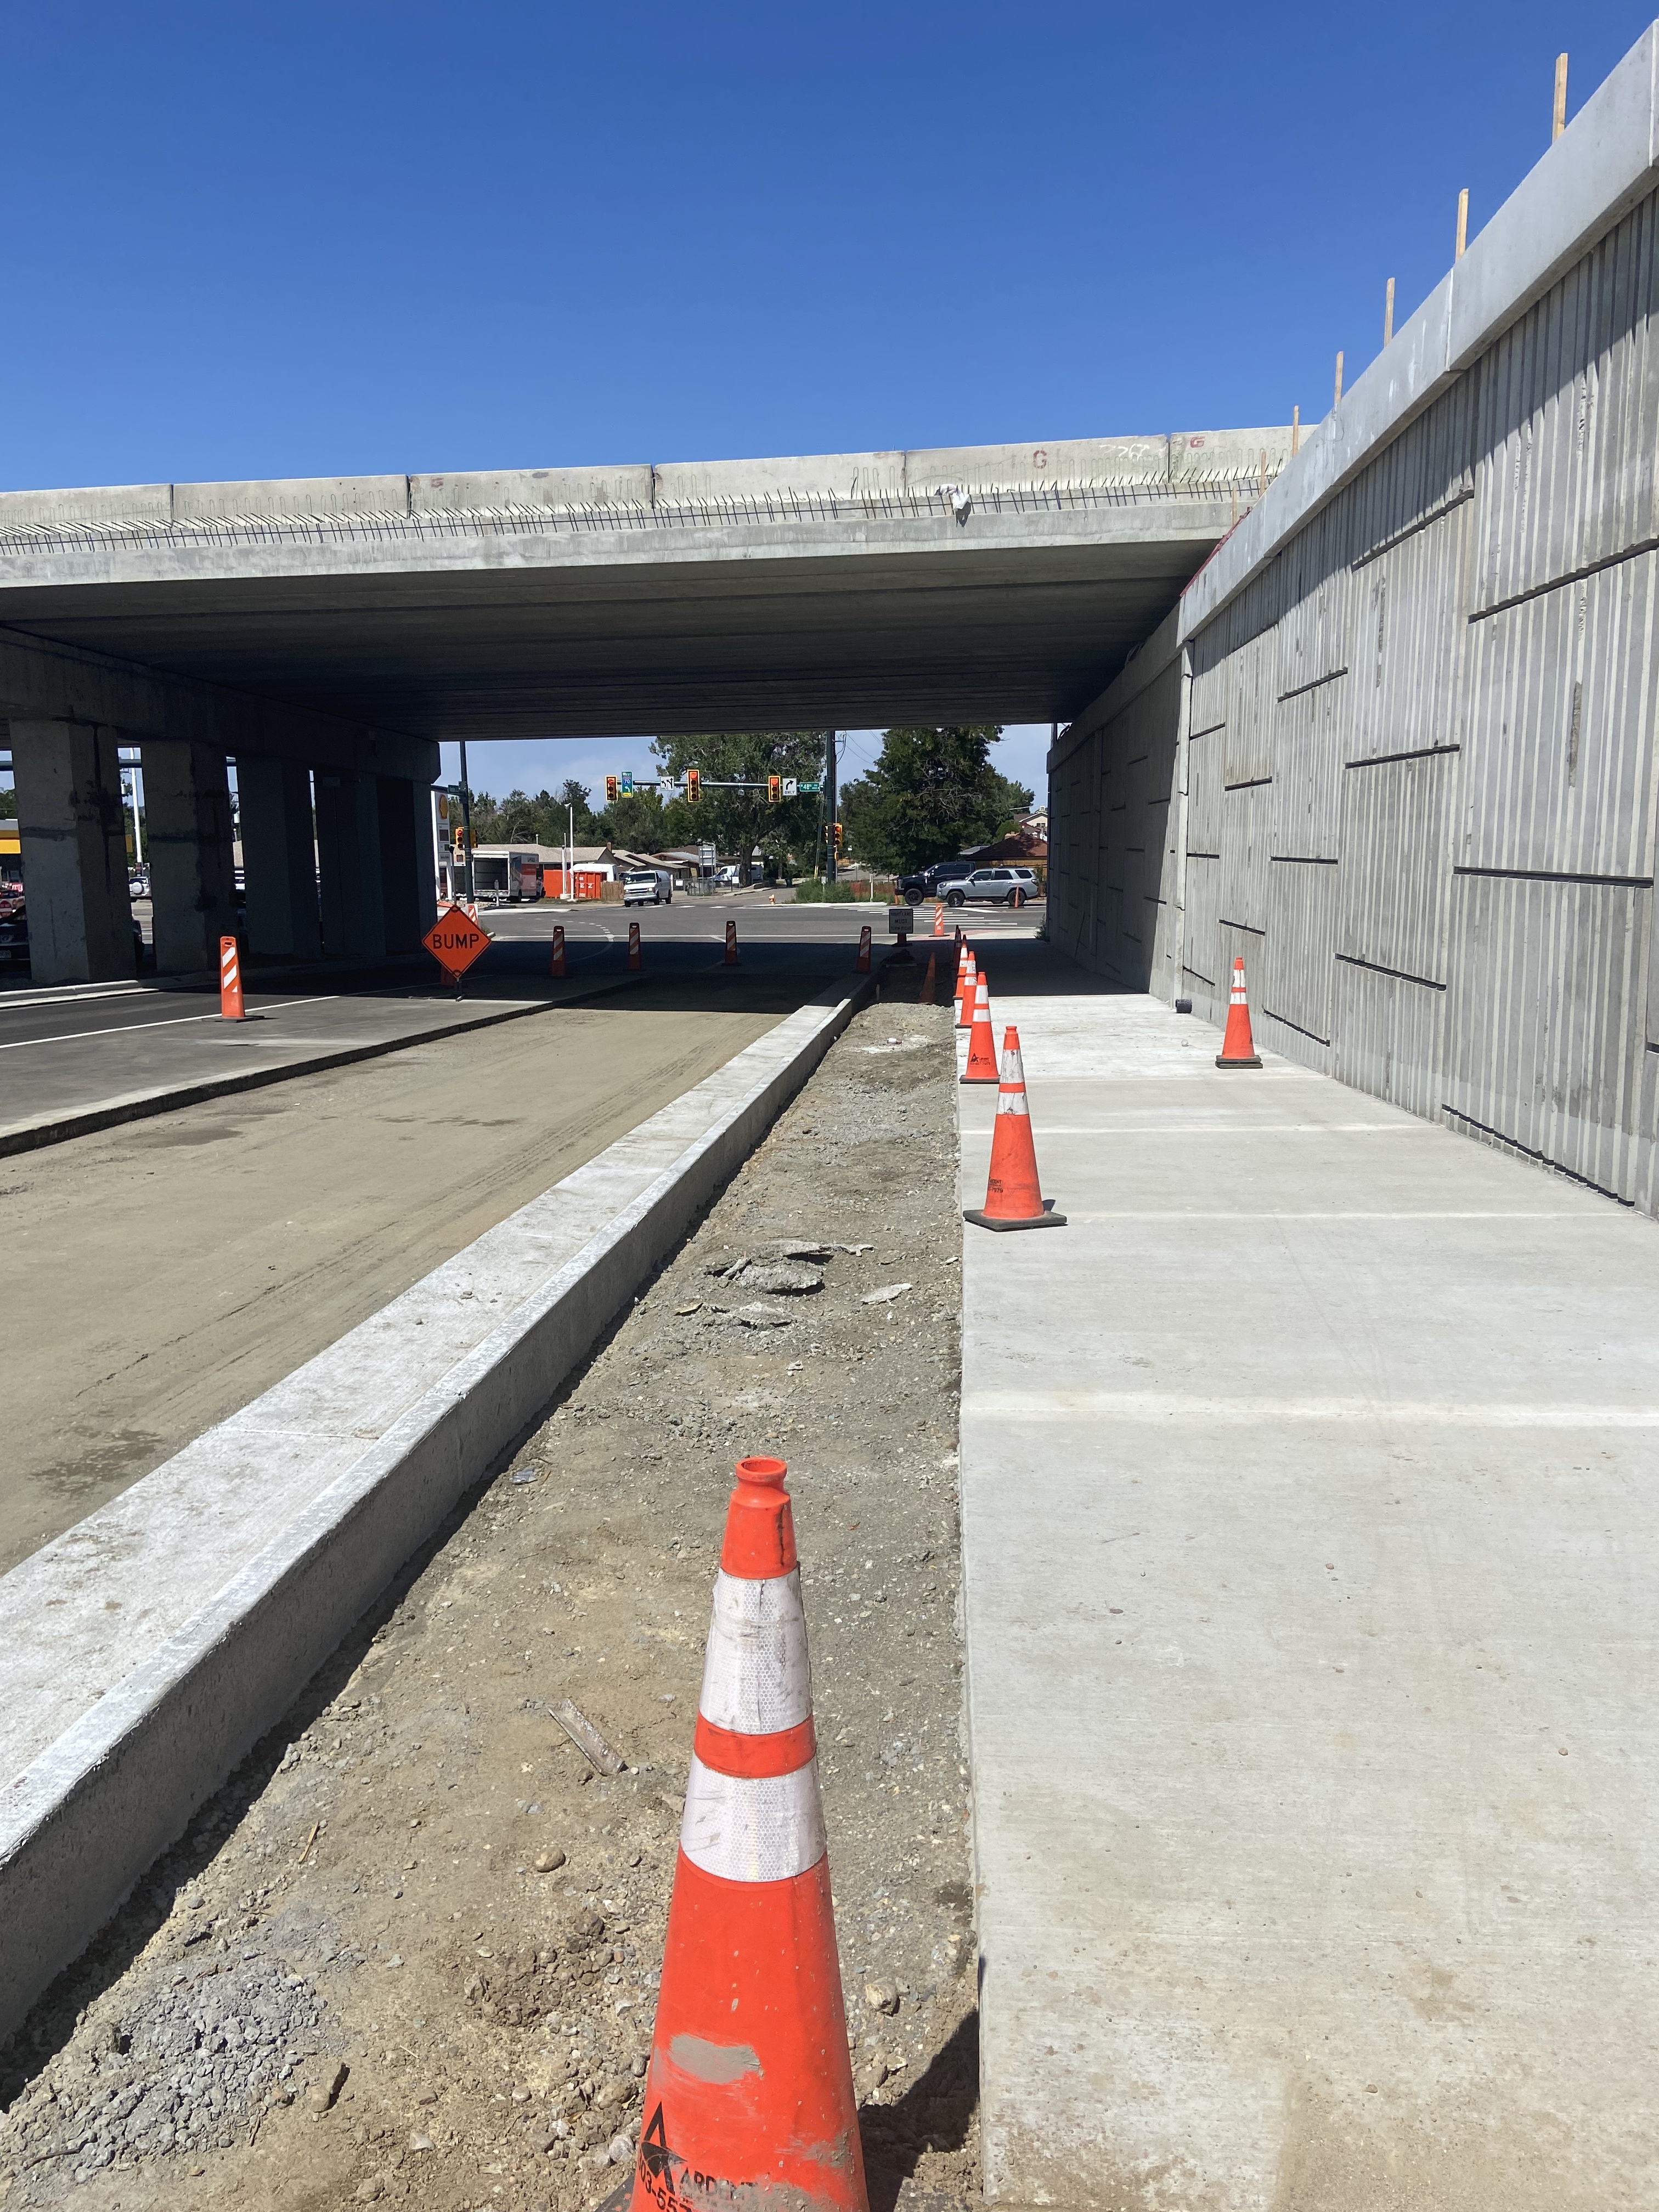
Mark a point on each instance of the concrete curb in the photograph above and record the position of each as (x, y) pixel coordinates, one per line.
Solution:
(94, 1806)
(139, 1105)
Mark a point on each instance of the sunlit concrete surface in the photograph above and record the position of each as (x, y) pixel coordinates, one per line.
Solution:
(1309, 1508)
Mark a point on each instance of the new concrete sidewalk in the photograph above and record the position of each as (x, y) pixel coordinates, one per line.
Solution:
(1310, 1498)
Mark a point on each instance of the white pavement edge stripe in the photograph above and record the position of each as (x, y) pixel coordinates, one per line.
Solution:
(83, 1820)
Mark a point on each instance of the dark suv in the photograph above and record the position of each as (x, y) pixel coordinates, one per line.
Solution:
(930, 883)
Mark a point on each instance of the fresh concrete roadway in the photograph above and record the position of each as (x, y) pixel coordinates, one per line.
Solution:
(1309, 1514)
(162, 1274)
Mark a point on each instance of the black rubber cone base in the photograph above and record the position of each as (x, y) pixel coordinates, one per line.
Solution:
(1236, 1063)
(1046, 1220)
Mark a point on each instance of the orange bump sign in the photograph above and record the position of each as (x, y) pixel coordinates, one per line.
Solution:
(455, 940)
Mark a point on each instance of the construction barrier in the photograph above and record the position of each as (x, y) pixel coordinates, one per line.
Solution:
(1237, 1045)
(749, 2091)
(558, 948)
(1013, 1196)
(636, 959)
(230, 981)
(981, 1043)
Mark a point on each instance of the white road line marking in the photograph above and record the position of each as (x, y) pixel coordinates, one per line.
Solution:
(173, 1021)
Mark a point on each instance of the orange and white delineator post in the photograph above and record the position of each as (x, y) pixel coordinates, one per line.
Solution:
(558, 948)
(230, 981)
(1237, 1045)
(749, 2085)
(938, 919)
(982, 1041)
(1013, 1196)
(636, 959)
(967, 967)
(861, 965)
(731, 944)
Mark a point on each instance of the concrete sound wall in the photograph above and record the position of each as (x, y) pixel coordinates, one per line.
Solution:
(1396, 744)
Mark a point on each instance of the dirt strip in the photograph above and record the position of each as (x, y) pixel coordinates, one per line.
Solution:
(409, 1954)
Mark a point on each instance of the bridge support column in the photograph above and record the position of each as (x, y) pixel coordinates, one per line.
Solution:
(279, 857)
(188, 845)
(408, 882)
(72, 827)
(348, 856)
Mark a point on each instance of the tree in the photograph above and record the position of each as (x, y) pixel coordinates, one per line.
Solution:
(737, 821)
(636, 821)
(518, 819)
(932, 793)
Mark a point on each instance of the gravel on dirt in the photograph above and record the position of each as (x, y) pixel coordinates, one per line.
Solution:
(409, 1953)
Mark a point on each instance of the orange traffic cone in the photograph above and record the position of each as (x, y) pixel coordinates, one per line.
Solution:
(1013, 1196)
(981, 1043)
(1237, 1045)
(636, 958)
(230, 981)
(938, 920)
(750, 2087)
(927, 980)
(965, 992)
(558, 948)
(731, 944)
(861, 965)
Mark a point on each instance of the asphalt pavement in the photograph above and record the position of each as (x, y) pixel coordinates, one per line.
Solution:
(76, 1058)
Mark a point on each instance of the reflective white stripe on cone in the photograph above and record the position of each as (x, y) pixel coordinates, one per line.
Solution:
(1013, 1196)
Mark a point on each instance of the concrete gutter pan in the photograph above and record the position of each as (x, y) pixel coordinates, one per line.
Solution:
(151, 1646)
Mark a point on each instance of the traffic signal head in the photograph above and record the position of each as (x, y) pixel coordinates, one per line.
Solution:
(611, 791)
(693, 785)
(838, 837)
(774, 789)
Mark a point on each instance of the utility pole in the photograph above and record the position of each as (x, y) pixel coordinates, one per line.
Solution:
(466, 825)
(829, 802)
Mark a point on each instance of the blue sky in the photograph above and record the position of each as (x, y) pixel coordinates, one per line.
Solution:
(301, 240)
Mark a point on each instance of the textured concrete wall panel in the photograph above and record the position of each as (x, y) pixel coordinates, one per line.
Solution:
(1543, 1048)
(1246, 837)
(1309, 750)
(1561, 757)
(1569, 422)
(1396, 877)
(1386, 1037)
(1425, 696)
(1295, 970)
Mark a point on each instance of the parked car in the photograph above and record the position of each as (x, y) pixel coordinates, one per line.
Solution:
(647, 887)
(931, 882)
(994, 887)
(15, 934)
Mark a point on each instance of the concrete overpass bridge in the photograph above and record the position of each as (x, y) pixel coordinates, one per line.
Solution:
(326, 634)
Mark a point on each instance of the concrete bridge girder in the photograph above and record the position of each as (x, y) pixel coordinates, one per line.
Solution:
(334, 631)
